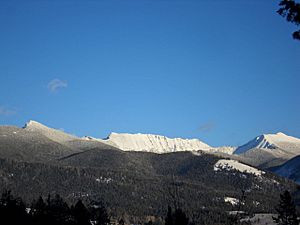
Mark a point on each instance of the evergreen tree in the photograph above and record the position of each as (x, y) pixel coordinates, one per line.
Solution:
(81, 214)
(169, 217)
(12, 210)
(99, 215)
(178, 217)
(291, 11)
(286, 210)
(38, 212)
(121, 222)
(58, 211)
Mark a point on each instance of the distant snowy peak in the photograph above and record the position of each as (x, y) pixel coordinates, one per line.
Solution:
(224, 149)
(271, 141)
(51, 133)
(155, 143)
(31, 124)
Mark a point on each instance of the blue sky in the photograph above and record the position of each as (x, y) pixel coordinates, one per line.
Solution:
(220, 71)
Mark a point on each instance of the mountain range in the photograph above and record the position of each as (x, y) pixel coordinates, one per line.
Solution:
(139, 175)
(264, 151)
(161, 144)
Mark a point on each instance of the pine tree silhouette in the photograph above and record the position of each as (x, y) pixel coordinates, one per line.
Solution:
(38, 212)
(12, 210)
(178, 217)
(58, 211)
(81, 214)
(286, 210)
(99, 215)
(291, 11)
(169, 217)
(121, 222)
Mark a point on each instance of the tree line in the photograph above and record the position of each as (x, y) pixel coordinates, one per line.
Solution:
(51, 211)
(55, 211)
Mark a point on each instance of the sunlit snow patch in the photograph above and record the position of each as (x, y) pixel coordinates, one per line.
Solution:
(103, 180)
(232, 201)
(229, 164)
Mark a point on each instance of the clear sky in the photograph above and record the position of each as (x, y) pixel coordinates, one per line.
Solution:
(222, 71)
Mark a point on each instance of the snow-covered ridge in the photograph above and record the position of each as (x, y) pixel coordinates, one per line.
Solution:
(229, 164)
(125, 141)
(155, 143)
(271, 141)
(158, 143)
(51, 133)
(32, 124)
(224, 149)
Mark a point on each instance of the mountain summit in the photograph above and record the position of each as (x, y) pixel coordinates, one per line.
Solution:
(269, 150)
(51, 133)
(271, 141)
(155, 143)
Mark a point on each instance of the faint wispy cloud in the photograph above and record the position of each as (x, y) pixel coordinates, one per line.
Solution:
(7, 111)
(207, 127)
(56, 84)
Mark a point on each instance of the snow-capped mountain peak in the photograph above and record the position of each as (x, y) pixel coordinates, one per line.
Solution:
(53, 134)
(271, 141)
(154, 143)
(33, 124)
